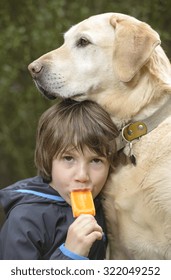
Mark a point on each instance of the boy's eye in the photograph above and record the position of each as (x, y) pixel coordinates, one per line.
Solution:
(68, 158)
(96, 160)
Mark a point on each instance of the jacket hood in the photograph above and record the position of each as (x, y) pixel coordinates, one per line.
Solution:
(28, 191)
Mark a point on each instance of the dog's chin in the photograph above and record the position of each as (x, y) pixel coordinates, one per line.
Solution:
(78, 97)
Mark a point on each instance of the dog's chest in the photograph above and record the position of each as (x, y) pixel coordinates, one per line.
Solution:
(141, 198)
(134, 186)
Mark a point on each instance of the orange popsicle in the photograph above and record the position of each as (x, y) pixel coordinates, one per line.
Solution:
(82, 202)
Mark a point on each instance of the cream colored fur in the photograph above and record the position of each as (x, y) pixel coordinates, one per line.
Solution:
(117, 61)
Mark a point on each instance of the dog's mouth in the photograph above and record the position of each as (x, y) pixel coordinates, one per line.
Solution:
(44, 92)
(52, 96)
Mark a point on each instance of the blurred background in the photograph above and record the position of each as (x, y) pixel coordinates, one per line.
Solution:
(28, 29)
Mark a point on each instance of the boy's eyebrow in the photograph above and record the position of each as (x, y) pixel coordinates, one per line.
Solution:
(73, 150)
(69, 151)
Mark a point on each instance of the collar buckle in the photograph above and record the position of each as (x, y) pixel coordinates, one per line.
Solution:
(133, 131)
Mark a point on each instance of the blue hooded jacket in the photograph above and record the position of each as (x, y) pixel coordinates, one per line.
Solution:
(37, 221)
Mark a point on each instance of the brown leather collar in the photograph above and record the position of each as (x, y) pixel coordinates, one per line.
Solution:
(137, 129)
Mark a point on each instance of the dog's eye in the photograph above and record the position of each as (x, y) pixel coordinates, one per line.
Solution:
(82, 42)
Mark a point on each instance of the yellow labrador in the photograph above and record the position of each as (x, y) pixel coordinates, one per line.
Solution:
(117, 61)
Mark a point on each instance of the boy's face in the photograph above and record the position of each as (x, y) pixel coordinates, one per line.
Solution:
(75, 170)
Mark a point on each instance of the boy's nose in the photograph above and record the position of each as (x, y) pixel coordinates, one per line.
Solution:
(82, 174)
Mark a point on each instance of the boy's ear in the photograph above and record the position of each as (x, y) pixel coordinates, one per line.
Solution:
(134, 44)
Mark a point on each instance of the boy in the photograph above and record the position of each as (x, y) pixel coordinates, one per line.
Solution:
(75, 149)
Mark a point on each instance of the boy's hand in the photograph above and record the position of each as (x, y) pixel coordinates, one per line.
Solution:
(82, 233)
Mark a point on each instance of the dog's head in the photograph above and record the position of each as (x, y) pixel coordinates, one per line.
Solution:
(101, 55)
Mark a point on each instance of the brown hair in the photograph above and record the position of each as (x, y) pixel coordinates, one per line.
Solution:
(73, 124)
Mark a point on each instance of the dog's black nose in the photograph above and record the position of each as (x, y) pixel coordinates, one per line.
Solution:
(35, 68)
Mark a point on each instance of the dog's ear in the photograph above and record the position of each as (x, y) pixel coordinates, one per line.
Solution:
(134, 44)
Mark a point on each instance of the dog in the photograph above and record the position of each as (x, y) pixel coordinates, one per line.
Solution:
(117, 61)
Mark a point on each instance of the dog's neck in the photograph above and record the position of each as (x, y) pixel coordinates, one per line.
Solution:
(138, 127)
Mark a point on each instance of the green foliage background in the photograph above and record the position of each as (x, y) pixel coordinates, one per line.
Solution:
(28, 29)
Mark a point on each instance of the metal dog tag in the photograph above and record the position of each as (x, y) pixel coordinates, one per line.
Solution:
(132, 156)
